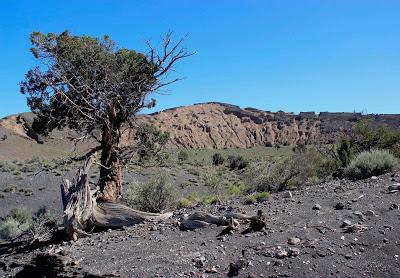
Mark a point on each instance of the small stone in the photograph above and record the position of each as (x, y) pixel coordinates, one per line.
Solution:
(395, 186)
(316, 207)
(385, 240)
(370, 213)
(389, 227)
(345, 223)
(280, 254)
(339, 206)
(199, 262)
(348, 256)
(153, 228)
(294, 252)
(393, 207)
(360, 215)
(294, 241)
(374, 178)
(212, 269)
(321, 253)
(288, 194)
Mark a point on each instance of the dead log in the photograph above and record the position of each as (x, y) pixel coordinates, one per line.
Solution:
(83, 210)
(200, 220)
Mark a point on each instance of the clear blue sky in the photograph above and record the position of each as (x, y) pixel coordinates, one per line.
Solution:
(295, 56)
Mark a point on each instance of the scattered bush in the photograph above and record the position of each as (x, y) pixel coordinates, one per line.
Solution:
(345, 152)
(186, 203)
(10, 189)
(368, 137)
(257, 197)
(302, 167)
(156, 195)
(371, 163)
(238, 188)
(237, 162)
(183, 156)
(6, 166)
(15, 223)
(214, 181)
(218, 159)
(10, 228)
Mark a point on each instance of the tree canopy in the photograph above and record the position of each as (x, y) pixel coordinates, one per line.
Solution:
(93, 87)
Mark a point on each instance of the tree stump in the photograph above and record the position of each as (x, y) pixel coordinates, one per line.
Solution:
(84, 211)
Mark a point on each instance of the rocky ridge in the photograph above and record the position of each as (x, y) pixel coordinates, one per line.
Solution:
(217, 125)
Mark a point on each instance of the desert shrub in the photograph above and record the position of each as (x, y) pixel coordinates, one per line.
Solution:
(371, 163)
(19, 220)
(214, 181)
(21, 215)
(156, 195)
(186, 203)
(218, 159)
(368, 137)
(10, 189)
(237, 162)
(257, 197)
(6, 166)
(9, 228)
(304, 166)
(238, 188)
(345, 152)
(183, 155)
(31, 165)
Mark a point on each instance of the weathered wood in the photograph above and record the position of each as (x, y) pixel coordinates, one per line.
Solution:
(200, 220)
(83, 210)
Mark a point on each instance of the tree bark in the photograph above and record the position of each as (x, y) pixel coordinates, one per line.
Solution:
(110, 181)
(83, 210)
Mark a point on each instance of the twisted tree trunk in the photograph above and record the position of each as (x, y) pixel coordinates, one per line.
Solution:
(110, 181)
(83, 210)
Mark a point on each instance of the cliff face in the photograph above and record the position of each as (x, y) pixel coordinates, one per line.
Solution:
(216, 125)
(219, 125)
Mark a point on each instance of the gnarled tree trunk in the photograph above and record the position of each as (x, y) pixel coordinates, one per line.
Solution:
(110, 181)
(83, 210)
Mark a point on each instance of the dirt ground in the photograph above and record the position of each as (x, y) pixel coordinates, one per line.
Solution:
(307, 235)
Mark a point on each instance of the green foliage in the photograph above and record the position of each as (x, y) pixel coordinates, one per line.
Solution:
(16, 222)
(305, 166)
(6, 166)
(218, 159)
(238, 188)
(371, 163)
(345, 152)
(196, 198)
(156, 195)
(185, 202)
(10, 228)
(21, 215)
(214, 181)
(257, 197)
(183, 155)
(368, 137)
(237, 162)
(150, 140)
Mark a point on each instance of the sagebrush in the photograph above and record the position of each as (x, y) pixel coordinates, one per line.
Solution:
(371, 163)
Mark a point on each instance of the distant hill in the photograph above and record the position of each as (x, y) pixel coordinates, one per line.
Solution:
(206, 125)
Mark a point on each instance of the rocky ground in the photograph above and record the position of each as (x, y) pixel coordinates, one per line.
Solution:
(337, 229)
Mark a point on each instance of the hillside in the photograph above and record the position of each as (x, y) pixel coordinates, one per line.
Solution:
(206, 125)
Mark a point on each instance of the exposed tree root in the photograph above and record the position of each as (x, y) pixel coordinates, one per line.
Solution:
(84, 211)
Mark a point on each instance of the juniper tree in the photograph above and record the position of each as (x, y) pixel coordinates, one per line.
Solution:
(97, 89)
